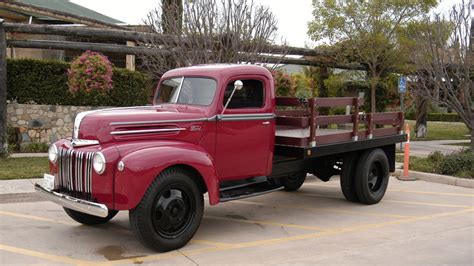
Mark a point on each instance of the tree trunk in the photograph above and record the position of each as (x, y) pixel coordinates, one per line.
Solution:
(472, 140)
(373, 87)
(323, 90)
(421, 117)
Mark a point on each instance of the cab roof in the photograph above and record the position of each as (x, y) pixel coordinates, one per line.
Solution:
(219, 71)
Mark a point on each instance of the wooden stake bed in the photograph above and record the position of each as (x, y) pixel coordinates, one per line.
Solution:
(299, 134)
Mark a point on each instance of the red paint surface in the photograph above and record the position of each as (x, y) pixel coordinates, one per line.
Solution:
(219, 150)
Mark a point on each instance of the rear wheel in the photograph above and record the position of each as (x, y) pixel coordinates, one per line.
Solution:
(170, 211)
(349, 164)
(372, 176)
(294, 181)
(88, 219)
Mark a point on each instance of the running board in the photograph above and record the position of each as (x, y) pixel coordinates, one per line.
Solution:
(254, 189)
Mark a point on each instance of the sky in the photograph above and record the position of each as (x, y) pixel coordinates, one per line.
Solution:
(292, 15)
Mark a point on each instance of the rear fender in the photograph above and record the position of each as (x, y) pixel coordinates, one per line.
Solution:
(143, 166)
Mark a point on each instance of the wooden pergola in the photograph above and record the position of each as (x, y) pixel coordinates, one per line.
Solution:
(308, 57)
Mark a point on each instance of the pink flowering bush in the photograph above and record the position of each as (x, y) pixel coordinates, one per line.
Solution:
(90, 72)
(284, 84)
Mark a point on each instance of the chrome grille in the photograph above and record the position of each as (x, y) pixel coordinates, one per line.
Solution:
(75, 173)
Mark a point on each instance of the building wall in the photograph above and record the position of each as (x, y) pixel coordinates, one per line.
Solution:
(30, 123)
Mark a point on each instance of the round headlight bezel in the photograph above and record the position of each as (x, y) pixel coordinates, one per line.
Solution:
(98, 163)
(53, 153)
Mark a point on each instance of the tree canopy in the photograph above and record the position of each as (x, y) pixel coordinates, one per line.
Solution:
(367, 32)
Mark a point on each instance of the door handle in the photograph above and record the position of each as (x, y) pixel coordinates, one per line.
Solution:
(266, 123)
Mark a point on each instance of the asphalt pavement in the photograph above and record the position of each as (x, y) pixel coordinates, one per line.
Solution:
(417, 222)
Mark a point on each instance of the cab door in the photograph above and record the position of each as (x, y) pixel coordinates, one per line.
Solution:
(245, 131)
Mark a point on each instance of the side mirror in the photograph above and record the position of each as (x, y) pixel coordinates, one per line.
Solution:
(238, 85)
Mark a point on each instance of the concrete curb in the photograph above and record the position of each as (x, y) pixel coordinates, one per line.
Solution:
(435, 178)
(23, 155)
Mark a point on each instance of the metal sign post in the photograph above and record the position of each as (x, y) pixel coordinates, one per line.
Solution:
(402, 88)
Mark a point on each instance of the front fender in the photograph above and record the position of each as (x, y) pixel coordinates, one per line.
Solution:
(144, 165)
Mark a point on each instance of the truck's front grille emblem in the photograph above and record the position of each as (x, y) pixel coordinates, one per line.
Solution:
(75, 173)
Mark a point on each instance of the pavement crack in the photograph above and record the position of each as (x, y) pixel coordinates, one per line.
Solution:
(189, 258)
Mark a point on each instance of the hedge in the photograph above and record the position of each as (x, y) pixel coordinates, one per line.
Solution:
(45, 82)
(443, 117)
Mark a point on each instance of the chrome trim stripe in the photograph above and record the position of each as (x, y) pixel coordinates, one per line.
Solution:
(88, 174)
(77, 123)
(83, 142)
(146, 131)
(245, 117)
(76, 204)
(158, 122)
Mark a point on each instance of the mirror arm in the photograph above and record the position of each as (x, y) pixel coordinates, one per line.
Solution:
(228, 100)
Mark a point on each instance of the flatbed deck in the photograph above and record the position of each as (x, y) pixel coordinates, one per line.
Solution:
(302, 134)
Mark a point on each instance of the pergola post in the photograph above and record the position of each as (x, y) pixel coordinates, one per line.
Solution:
(3, 91)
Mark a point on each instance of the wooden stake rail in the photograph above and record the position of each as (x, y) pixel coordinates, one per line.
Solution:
(306, 116)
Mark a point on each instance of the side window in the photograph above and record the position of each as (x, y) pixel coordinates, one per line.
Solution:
(250, 96)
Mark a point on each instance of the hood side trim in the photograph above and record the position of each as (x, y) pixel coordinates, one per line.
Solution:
(146, 131)
(157, 122)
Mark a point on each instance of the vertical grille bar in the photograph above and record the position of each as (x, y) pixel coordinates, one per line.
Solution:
(75, 172)
(80, 171)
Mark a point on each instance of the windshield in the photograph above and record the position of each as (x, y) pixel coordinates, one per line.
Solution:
(186, 90)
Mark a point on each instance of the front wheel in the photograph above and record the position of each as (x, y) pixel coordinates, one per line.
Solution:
(170, 212)
(88, 219)
(372, 176)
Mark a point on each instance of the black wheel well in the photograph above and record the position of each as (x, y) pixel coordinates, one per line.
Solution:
(197, 177)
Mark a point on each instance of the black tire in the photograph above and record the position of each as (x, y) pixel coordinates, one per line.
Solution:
(88, 219)
(294, 181)
(349, 164)
(372, 176)
(170, 212)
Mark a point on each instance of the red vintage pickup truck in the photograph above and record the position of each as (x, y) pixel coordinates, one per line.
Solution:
(215, 129)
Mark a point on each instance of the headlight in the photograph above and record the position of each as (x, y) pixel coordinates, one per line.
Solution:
(53, 153)
(99, 163)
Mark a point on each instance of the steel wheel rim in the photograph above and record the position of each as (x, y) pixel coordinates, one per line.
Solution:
(173, 211)
(375, 177)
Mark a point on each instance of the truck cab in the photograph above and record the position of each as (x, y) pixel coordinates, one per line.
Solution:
(211, 129)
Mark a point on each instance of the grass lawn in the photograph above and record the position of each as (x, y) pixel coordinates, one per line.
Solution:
(441, 130)
(17, 168)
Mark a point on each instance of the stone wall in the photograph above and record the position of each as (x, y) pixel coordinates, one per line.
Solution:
(28, 123)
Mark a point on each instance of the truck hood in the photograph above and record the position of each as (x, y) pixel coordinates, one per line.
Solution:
(148, 122)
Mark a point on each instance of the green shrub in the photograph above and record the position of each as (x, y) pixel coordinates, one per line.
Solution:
(442, 117)
(456, 163)
(45, 82)
(460, 164)
(35, 147)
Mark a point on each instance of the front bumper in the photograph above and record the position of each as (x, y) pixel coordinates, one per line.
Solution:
(76, 204)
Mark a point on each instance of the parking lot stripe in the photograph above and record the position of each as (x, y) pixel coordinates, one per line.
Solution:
(210, 243)
(37, 218)
(331, 210)
(350, 229)
(402, 190)
(121, 230)
(304, 227)
(428, 204)
(432, 193)
(43, 255)
(398, 201)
